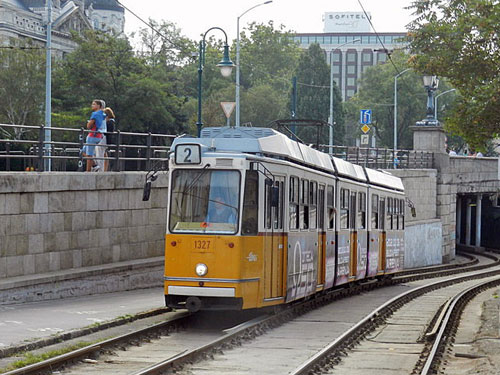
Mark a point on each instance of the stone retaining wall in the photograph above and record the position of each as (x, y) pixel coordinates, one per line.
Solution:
(56, 221)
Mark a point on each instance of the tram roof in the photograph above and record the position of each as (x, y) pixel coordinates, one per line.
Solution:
(265, 141)
(384, 179)
(270, 142)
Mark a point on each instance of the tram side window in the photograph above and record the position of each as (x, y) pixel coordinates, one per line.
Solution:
(362, 210)
(268, 210)
(278, 211)
(353, 210)
(330, 203)
(402, 214)
(294, 203)
(250, 204)
(321, 207)
(396, 213)
(313, 202)
(382, 213)
(304, 204)
(344, 208)
(375, 211)
(389, 213)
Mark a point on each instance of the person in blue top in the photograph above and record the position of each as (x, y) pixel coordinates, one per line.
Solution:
(95, 124)
(221, 212)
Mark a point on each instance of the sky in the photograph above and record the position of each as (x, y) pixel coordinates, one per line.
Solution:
(194, 17)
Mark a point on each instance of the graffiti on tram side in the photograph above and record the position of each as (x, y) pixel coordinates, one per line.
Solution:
(373, 254)
(343, 259)
(394, 250)
(362, 252)
(302, 266)
(330, 260)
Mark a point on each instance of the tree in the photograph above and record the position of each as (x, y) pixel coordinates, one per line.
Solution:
(376, 92)
(105, 67)
(458, 39)
(313, 95)
(22, 88)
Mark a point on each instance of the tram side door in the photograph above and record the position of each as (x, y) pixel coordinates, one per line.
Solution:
(383, 235)
(275, 253)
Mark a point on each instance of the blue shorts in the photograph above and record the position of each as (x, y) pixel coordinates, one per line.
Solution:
(90, 148)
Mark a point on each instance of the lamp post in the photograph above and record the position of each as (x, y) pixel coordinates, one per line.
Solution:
(238, 59)
(431, 84)
(48, 90)
(330, 134)
(396, 108)
(436, 102)
(225, 65)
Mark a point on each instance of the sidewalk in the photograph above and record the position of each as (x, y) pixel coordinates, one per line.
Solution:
(29, 321)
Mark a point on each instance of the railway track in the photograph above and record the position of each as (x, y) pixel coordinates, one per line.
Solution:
(173, 344)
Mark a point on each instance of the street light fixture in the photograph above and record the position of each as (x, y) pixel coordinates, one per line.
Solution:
(396, 109)
(330, 134)
(238, 59)
(431, 84)
(436, 102)
(225, 65)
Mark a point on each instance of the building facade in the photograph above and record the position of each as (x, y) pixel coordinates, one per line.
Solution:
(26, 20)
(351, 47)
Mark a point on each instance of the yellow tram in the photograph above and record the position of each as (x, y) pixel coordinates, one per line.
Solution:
(257, 219)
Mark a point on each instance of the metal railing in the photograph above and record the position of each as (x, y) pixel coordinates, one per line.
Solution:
(138, 151)
(128, 151)
(382, 158)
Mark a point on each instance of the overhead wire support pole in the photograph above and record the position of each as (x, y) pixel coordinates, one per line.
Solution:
(396, 109)
(238, 121)
(436, 101)
(48, 90)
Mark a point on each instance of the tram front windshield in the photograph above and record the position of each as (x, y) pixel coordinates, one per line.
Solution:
(204, 201)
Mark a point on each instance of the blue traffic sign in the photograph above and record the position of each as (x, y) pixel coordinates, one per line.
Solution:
(365, 116)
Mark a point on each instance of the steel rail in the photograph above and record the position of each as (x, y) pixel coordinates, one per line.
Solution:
(448, 321)
(55, 362)
(249, 329)
(373, 319)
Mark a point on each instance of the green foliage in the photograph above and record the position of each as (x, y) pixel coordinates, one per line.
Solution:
(22, 88)
(313, 96)
(376, 92)
(458, 39)
(105, 67)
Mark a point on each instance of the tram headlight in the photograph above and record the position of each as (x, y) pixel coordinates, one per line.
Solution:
(201, 269)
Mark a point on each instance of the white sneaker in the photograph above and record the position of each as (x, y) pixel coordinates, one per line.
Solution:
(96, 168)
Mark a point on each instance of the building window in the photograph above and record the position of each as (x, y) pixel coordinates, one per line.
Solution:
(350, 93)
(382, 57)
(351, 57)
(336, 69)
(367, 57)
(351, 69)
(351, 81)
(336, 80)
(336, 57)
(365, 68)
(373, 39)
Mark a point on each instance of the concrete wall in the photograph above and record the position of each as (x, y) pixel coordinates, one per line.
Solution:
(423, 243)
(423, 233)
(57, 221)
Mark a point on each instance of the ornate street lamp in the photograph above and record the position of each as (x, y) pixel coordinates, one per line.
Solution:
(431, 84)
(225, 65)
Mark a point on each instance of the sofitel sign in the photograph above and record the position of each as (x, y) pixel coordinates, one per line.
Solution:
(346, 22)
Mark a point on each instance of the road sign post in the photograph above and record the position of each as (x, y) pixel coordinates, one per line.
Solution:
(365, 116)
(228, 108)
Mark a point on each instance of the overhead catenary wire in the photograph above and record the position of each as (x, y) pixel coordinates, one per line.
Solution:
(378, 37)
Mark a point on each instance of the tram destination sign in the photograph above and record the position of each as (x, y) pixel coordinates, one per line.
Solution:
(187, 154)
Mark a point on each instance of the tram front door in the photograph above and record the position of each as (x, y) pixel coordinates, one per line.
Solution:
(274, 243)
